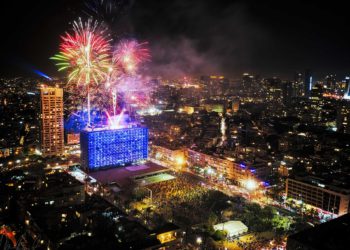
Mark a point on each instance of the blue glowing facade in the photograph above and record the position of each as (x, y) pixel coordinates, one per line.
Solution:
(106, 148)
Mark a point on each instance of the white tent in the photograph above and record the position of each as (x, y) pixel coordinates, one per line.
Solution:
(233, 227)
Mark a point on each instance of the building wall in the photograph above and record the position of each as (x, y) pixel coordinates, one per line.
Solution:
(6, 152)
(73, 138)
(316, 196)
(171, 158)
(229, 169)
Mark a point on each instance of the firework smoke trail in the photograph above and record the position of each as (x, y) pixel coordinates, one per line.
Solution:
(106, 10)
(127, 57)
(112, 13)
(85, 54)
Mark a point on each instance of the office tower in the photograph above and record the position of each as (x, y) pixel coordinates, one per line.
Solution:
(235, 105)
(298, 77)
(247, 83)
(347, 88)
(307, 83)
(298, 85)
(274, 89)
(343, 117)
(52, 138)
(322, 194)
(105, 148)
(330, 82)
(215, 85)
(288, 92)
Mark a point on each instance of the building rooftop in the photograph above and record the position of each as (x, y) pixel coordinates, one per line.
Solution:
(341, 185)
(233, 227)
(105, 128)
(123, 176)
(166, 228)
(332, 235)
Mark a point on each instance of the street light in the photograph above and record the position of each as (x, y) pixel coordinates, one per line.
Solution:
(180, 160)
(199, 240)
(251, 184)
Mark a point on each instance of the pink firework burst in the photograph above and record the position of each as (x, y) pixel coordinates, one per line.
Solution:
(129, 54)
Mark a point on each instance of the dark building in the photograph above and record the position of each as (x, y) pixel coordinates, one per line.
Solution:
(343, 118)
(331, 82)
(215, 85)
(288, 92)
(347, 87)
(316, 92)
(332, 235)
(247, 84)
(298, 84)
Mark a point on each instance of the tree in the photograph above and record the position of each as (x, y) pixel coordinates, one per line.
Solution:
(281, 222)
(212, 219)
(219, 235)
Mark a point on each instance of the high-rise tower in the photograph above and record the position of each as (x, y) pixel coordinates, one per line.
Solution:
(52, 138)
(307, 83)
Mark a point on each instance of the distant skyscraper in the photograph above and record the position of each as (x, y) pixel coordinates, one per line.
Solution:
(343, 117)
(298, 77)
(298, 85)
(288, 92)
(347, 88)
(307, 83)
(215, 85)
(235, 105)
(330, 81)
(52, 138)
(248, 85)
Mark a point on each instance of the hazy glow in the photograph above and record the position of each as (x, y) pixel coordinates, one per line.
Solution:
(180, 160)
(251, 184)
(114, 122)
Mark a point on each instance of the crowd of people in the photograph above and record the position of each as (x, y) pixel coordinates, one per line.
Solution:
(180, 199)
(254, 242)
(177, 191)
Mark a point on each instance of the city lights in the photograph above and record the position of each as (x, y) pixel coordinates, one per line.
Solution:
(180, 160)
(184, 125)
(251, 184)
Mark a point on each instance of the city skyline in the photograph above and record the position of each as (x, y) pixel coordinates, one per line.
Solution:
(192, 125)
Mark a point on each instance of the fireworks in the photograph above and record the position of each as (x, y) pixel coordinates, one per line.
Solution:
(129, 54)
(97, 72)
(106, 10)
(85, 54)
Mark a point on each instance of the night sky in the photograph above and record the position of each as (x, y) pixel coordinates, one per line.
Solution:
(192, 37)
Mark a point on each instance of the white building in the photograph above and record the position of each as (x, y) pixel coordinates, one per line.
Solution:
(232, 227)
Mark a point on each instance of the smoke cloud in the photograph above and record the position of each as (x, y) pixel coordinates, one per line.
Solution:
(199, 37)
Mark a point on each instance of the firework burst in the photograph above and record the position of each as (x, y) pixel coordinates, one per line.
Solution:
(99, 73)
(129, 54)
(85, 54)
(106, 10)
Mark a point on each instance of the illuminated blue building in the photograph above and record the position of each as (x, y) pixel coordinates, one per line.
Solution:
(106, 148)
